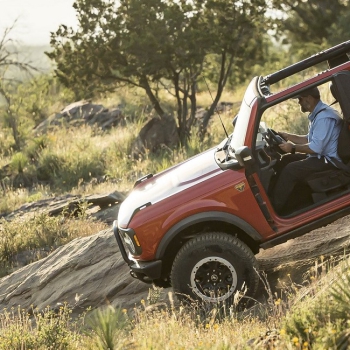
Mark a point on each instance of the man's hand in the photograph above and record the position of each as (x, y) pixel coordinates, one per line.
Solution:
(285, 135)
(286, 147)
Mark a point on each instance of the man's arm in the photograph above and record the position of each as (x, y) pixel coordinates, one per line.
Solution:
(287, 147)
(297, 139)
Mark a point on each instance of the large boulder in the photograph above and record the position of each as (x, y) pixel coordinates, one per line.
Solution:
(85, 272)
(90, 271)
(156, 134)
(83, 112)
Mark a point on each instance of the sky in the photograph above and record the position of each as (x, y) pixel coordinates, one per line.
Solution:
(35, 19)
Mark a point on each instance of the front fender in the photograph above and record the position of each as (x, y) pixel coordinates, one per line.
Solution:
(202, 217)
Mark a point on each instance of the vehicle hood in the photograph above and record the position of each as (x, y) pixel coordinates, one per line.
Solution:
(169, 182)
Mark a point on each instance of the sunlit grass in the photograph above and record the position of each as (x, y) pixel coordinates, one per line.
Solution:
(40, 329)
(72, 160)
(39, 234)
(312, 316)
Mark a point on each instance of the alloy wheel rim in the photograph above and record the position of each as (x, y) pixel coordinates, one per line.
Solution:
(213, 279)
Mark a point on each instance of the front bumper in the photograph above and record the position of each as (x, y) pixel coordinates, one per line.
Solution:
(146, 271)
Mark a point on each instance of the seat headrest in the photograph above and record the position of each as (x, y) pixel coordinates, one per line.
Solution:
(333, 90)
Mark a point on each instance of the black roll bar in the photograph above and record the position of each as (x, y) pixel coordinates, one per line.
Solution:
(335, 55)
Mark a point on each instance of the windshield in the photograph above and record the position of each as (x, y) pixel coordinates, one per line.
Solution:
(241, 126)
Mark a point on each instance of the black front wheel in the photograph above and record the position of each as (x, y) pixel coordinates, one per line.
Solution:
(212, 267)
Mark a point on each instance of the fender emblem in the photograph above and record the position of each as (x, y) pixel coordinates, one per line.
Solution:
(240, 187)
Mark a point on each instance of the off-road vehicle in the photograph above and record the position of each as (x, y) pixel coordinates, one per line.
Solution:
(198, 225)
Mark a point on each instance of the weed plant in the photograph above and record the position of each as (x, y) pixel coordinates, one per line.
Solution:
(106, 328)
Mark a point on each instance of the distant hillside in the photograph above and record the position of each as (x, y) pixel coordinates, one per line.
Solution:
(36, 55)
(33, 55)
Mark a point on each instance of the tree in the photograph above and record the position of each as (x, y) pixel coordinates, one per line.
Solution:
(339, 31)
(152, 44)
(12, 70)
(306, 24)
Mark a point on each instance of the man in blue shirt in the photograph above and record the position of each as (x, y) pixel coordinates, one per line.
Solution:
(309, 153)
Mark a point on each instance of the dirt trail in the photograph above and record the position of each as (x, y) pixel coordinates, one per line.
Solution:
(291, 260)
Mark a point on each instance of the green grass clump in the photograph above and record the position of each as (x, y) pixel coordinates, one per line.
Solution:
(40, 234)
(321, 319)
(106, 328)
(40, 330)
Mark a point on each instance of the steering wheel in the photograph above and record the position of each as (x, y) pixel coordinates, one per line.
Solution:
(273, 138)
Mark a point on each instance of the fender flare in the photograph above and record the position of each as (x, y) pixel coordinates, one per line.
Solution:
(202, 217)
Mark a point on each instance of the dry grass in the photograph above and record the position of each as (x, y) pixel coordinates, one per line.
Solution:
(311, 317)
(306, 318)
(28, 238)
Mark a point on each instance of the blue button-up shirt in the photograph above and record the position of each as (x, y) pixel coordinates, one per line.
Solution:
(324, 128)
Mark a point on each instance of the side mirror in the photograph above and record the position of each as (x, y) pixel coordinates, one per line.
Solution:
(244, 157)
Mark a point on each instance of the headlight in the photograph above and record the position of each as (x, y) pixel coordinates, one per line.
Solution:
(130, 241)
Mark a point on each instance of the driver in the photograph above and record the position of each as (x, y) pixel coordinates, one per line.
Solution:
(307, 154)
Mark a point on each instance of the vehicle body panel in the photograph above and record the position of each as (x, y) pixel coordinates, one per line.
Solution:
(201, 189)
(216, 193)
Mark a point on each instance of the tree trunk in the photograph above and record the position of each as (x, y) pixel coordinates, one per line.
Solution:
(155, 102)
(193, 100)
(14, 128)
(224, 72)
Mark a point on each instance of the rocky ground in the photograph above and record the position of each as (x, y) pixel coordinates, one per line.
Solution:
(90, 271)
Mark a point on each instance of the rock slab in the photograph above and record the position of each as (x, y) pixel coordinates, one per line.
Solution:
(86, 272)
(90, 271)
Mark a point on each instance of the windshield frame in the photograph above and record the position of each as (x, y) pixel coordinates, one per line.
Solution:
(243, 117)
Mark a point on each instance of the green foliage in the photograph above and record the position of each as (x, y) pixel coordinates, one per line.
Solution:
(320, 318)
(339, 30)
(341, 294)
(48, 167)
(19, 162)
(40, 330)
(35, 146)
(156, 45)
(40, 231)
(41, 96)
(286, 116)
(27, 104)
(22, 100)
(106, 328)
(78, 167)
(40, 234)
(309, 26)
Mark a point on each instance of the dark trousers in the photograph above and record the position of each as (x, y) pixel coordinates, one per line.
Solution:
(291, 169)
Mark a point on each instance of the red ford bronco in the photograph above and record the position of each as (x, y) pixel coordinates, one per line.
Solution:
(198, 225)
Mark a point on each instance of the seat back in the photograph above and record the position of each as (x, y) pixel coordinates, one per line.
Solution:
(344, 143)
(340, 88)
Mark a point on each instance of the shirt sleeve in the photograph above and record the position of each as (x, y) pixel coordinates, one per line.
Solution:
(322, 134)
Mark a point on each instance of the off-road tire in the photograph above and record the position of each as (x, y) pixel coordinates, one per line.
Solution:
(212, 267)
